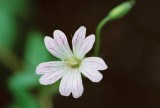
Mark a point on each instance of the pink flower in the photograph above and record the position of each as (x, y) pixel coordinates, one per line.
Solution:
(72, 64)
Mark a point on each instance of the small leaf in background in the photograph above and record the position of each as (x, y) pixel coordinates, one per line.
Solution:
(35, 51)
(23, 81)
(20, 8)
(24, 100)
(8, 29)
(11, 11)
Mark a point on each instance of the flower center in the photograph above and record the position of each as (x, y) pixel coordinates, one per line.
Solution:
(73, 63)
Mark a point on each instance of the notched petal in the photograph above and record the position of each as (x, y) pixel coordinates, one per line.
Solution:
(62, 42)
(53, 48)
(52, 71)
(65, 88)
(48, 67)
(78, 38)
(86, 45)
(77, 89)
(91, 73)
(95, 62)
(50, 78)
(71, 83)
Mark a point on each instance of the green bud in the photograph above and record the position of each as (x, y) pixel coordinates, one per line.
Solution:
(121, 10)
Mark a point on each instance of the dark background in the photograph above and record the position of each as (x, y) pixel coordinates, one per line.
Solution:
(130, 46)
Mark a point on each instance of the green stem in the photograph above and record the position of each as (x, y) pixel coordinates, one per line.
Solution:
(98, 33)
(45, 101)
(9, 59)
(116, 13)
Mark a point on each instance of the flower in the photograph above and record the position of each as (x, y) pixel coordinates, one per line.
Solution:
(72, 64)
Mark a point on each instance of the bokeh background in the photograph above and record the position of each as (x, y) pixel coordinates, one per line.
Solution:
(130, 46)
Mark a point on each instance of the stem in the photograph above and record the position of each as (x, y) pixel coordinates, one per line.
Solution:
(116, 13)
(8, 58)
(45, 101)
(46, 94)
(98, 33)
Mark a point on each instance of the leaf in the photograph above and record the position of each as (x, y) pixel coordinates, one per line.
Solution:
(8, 29)
(21, 8)
(23, 80)
(10, 11)
(24, 100)
(35, 51)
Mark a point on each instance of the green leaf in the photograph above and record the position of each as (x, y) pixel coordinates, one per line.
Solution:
(23, 81)
(8, 29)
(10, 11)
(35, 51)
(24, 100)
(21, 8)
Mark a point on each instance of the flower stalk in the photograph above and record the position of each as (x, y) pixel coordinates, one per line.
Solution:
(98, 33)
(116, 13)
(10, 59)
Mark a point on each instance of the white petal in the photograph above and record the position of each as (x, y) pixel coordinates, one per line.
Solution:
(48, 67)
(58, 46)
(52, 71)
(91, 73)
(78, 38)
(50, 78)
(65, 88)
(62, 42)
(53, 48)
(77, 89)
(71, 82)
(95, 62)
(86, 46)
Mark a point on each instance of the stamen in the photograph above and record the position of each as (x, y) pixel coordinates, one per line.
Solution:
(73, 63)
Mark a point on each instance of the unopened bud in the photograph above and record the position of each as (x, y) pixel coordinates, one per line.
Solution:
(121, 10)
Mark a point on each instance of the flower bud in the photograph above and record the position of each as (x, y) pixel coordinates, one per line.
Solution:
(121, 10)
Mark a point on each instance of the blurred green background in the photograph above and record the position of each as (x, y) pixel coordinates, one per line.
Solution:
(130, 46)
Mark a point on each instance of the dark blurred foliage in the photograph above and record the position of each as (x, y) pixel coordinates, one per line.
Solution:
(130, 46)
